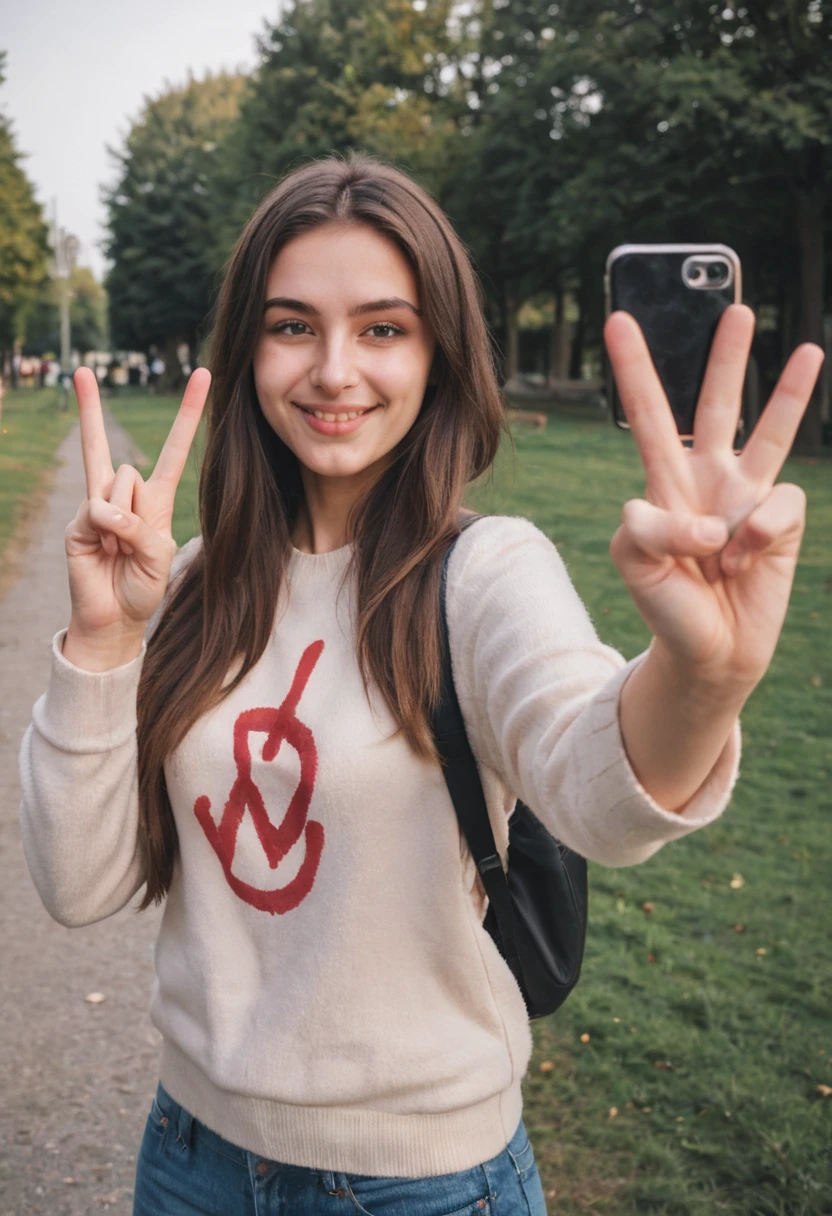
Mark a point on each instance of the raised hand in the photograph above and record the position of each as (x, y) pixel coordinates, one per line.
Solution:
(119, 547)
(709, 553)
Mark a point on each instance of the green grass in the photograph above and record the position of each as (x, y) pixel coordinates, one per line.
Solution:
(712, 1053)
(31, 430)
(148, 421)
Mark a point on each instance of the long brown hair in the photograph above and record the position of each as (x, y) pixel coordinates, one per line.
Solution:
(221, 612)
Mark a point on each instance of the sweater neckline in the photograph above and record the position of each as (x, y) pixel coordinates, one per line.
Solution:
(320, 563)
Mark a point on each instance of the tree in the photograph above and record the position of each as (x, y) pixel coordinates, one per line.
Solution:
(162, 218)
(24, 244)
(342, 74)
(87, 313)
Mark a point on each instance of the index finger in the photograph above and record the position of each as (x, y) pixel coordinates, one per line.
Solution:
(173, 455)
(98, 463)
(648, 413)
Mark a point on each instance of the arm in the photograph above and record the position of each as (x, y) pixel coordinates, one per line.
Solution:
(541, 697)
(78, 776)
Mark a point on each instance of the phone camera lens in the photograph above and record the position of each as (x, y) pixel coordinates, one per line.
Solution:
(716, 272)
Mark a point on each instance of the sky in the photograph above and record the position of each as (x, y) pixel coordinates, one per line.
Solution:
(77, 73)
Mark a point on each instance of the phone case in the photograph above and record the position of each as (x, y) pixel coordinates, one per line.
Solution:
(678, 321)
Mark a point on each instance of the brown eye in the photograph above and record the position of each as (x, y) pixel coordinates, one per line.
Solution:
(392, 330)
(293, 328)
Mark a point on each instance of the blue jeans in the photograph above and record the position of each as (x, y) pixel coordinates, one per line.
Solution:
(186, 1170)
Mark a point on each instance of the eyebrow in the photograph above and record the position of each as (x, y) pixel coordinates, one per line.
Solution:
(359, 310)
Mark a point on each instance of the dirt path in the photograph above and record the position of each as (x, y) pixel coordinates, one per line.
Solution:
(76, 1079)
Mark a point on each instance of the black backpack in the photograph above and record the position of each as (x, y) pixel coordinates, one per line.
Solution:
(537, 910)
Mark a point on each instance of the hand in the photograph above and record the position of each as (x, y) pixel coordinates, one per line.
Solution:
(715, 605)
(119, 547)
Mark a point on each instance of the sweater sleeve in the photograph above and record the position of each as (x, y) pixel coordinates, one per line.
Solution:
(539, 693)
(79, 786)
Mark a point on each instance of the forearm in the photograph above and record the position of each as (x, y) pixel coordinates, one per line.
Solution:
(674, 728)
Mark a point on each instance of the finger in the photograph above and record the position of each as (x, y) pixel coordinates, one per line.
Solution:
(648, 413)
(123, 493)
(651, 531)
(126, 525)
(776, 525)
(766, 449)
(720, 398)
(98, 464)
(174, 454)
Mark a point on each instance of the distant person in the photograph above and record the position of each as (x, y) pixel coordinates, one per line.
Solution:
(44, 371)
(157, 370)
(241, 727)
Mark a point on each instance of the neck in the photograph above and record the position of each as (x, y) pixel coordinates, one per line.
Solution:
(322, 518)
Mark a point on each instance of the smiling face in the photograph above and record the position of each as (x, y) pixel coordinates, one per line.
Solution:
(343, 357)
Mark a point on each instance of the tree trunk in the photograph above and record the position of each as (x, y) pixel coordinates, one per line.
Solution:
(809, 223)
(512, 336)
(576, 357)
(172, 379)
(559, 344)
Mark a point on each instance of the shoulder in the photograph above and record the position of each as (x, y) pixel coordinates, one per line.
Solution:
(505, 575)
(500, 542)
(184, 556)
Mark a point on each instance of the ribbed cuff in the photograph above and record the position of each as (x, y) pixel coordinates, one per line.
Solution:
(88, 711)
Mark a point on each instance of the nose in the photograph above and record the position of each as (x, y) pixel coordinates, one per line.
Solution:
(334, 369)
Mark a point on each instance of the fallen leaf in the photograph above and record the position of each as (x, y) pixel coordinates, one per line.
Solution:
(613, 1112)
(665, 1064)
(546, 1066)
(646, 1110)
(585, 1037)
(616, 1019)
(782, 840)
(651, 958)
(633, 1030)
(95, 998)
(606, 610)
(739, 928)
(551, 1194)
(813, 616)
(680, 1118)
(761, 950)
(648, 907)
(825, 1091)
(816, 681)
(737, 881)
(70, 1181)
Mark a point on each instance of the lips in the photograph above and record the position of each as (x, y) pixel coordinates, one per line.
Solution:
(335, 422)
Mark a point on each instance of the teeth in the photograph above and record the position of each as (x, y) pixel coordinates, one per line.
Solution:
(336, 417)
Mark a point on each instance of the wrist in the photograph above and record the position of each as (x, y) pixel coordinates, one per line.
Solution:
(103, 651)
(713, 689)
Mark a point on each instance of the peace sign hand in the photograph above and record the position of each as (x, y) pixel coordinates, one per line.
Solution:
(119, 547)
(715, 603)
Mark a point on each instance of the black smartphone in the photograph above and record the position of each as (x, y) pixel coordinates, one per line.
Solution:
(677, 293)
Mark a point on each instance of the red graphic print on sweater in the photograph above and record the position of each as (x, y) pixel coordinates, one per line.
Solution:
(278, 724)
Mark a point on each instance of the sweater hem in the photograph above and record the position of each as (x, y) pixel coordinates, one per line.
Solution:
(347, 1140)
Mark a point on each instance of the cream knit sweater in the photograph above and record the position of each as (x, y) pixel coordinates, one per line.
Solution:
(325, 990)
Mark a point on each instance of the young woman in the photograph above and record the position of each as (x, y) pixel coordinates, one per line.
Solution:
(241, 726)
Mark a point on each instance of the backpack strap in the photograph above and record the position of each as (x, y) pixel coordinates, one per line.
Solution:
(463, 781)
